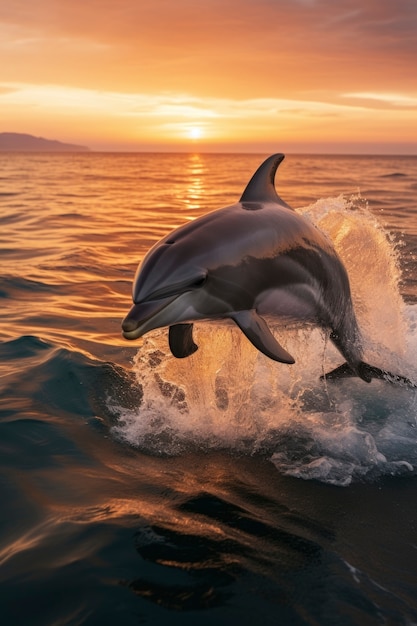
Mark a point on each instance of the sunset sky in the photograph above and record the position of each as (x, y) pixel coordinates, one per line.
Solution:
(218, 75)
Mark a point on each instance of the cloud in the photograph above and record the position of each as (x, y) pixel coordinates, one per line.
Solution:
(291, 64)
(273, 48)
(190, 24)
(171, 114)
(6, 90)
(155, 105)
(378, 100)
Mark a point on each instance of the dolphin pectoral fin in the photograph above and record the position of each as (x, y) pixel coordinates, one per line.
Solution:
(181, 340)
(367, 372)
(257, 331)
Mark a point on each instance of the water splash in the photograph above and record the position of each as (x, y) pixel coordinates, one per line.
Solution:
(372, 262)
(228, 395)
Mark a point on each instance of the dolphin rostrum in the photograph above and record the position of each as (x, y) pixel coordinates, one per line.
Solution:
(251, 262)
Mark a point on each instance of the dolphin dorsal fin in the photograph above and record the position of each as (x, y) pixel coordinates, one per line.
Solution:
(261, 187)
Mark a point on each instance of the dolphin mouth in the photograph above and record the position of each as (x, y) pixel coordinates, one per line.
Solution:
(134, 324)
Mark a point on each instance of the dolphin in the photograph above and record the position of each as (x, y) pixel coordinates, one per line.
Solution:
(253, 262)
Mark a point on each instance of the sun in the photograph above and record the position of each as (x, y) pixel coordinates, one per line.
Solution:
(195, 132)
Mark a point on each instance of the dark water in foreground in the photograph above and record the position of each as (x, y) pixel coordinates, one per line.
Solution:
(223, 489)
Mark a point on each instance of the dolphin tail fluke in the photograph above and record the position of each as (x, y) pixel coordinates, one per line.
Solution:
(367, 372)
(181, 340)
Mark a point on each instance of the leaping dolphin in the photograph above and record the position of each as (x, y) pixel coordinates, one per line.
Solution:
(250, 262)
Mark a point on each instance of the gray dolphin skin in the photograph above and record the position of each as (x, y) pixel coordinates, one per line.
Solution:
(254, 262)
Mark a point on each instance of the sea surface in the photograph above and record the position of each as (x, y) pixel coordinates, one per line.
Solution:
(221, 489)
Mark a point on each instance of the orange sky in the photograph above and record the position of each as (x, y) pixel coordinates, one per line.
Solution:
(252, 75)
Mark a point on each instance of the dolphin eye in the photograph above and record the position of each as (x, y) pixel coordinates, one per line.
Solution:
(200, 281)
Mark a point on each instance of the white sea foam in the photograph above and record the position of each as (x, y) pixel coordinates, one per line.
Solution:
(228, 395)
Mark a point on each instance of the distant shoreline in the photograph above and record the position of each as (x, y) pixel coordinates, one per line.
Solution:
(29, 144)
(21, 142)
(323, 155)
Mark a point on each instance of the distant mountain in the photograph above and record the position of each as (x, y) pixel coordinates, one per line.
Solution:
(20, 142)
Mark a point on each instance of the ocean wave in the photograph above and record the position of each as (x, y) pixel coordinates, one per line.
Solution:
(10, 286)
(55, 380)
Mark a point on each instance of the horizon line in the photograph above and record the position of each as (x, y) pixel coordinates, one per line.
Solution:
(211, 152)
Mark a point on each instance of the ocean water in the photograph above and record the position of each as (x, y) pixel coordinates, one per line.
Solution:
(220, 489)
